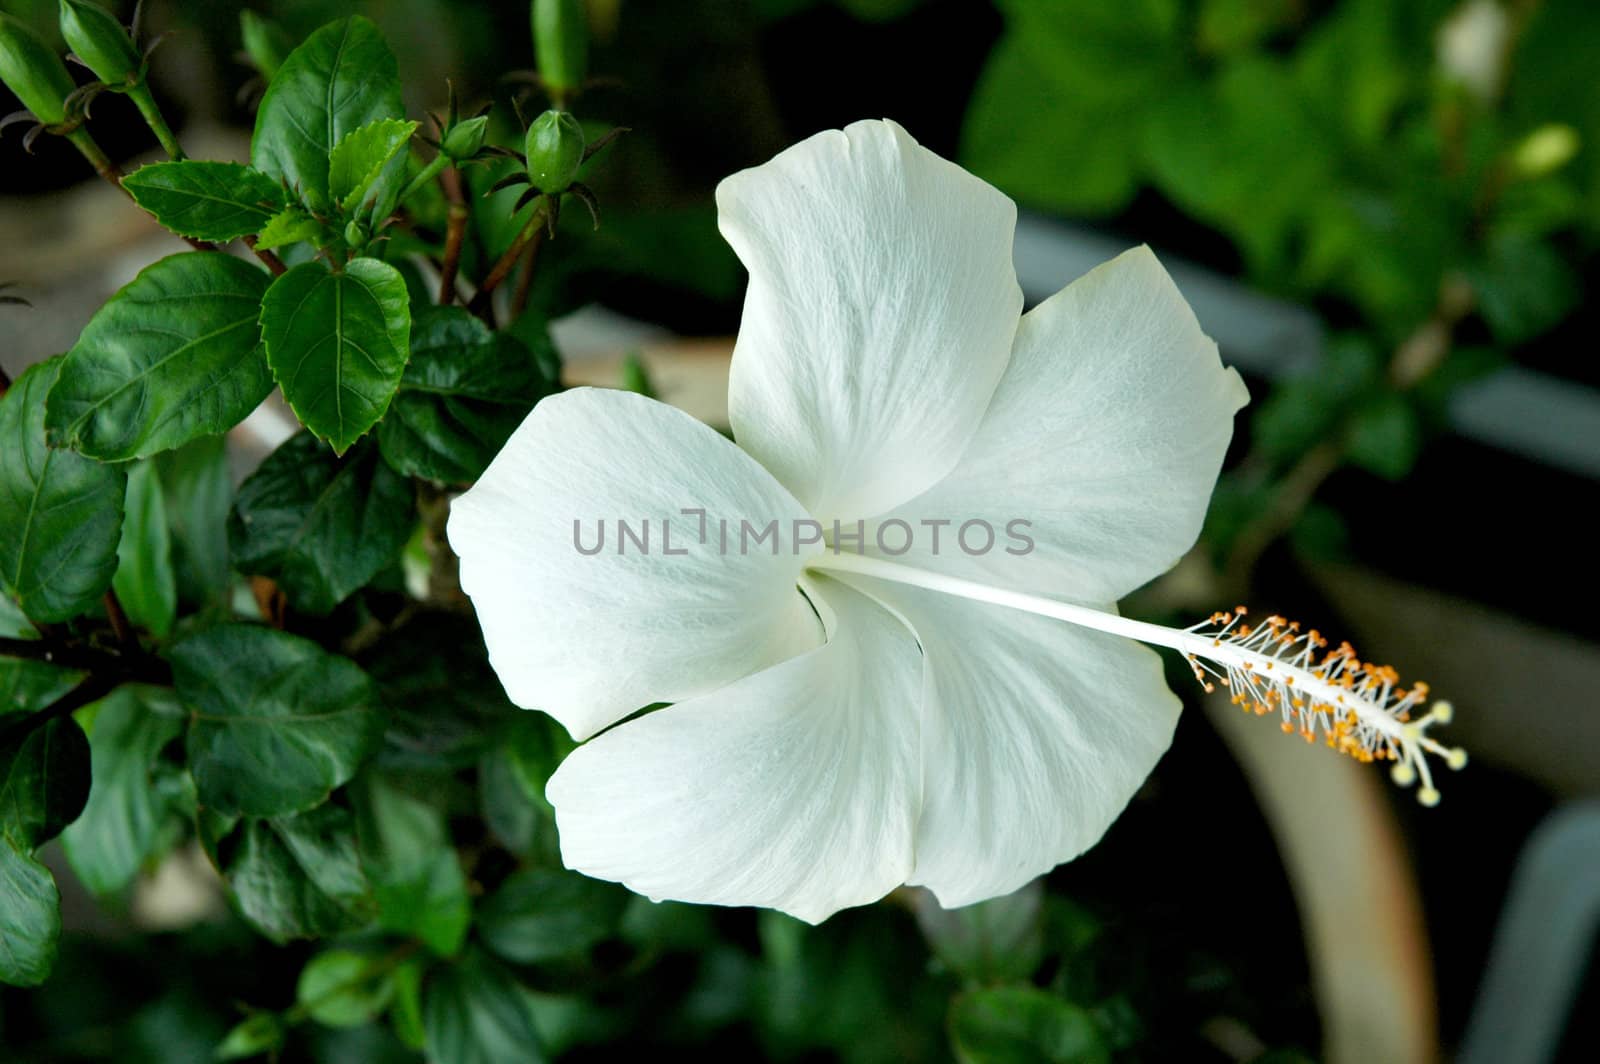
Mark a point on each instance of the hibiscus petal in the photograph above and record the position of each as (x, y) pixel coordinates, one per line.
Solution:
(1105, 434)
(590, 639)
(1035, 736)
(880, 313)
(795, 789)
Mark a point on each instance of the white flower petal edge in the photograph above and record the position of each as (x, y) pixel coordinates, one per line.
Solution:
(879, 317)
(1107, 433)
(1035, 735)
(590, 639)
(796, 788)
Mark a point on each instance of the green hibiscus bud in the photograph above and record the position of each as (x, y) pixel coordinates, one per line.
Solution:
(465, 139)
(33, 72)
(561, 45)
(96, 37)
(555, 151)
(356, 235)
(265, 43)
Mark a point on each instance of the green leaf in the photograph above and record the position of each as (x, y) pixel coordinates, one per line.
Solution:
(289, 226)
(1524, 287)
(144, 582)
(515, 820)
(342, 78)
(205, 200)
(282, 889)
(1100, 52)
(324, 843)
(320, 526)
(1357, 72)
(1023, 1025)
(25, 684)
(1232, 25)
(416, 877)
(1077, 159)
(60, 513)
(441, 702)
(1303, 410)
(1385, 436)
(464, 392)
(405, 1011)
(339, 988)
(361, 158)
(197, 490)
(995, 940)
(276, 722)
(473, 1014)
(252, 1037)
(121, 825)
(44, 781)
(172, 357)
(337, 344)
(541, 914)
(1243, 153)
(30, 917)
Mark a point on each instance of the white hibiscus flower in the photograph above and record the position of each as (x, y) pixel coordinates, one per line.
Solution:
(872, 691)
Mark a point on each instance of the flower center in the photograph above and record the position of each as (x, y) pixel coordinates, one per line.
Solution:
(1356, 707)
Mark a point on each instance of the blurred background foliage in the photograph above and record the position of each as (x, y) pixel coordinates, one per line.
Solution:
(1425, 174)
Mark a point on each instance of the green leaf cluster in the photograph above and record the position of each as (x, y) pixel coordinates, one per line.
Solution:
(1348, 163)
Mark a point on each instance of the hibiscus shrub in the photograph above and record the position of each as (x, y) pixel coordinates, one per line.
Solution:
(283, 674)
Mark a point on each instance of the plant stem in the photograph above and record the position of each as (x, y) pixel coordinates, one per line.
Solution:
(1412, 361)
(433, 169)
(90, 150)
(112, 173)
(146, 103)
(140, 666)
(120, 625)
(90, 690)
(533, 231)
(455, 234)
(519, 299)
(271, 261)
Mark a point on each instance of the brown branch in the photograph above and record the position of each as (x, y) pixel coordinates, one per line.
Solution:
(519, 299)
(90, 690)
(268, 259)
(113, 174)
(455, 235)
(531, 233)
(1413, 360)
(120, 625)
(1294, 493)
(80, 657)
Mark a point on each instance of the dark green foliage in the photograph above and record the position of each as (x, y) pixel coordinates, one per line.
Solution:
(275, 722)
(464, 391)
(60, 513)
(320, 526)
(172, 357)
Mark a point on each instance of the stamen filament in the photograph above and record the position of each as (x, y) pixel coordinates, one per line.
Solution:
(1356, 706)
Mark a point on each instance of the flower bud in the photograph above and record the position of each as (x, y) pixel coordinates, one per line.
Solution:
(555, 151)
(33, 72)
(464, 139)
(96, 37)
(356, 235)
(561, 45)
(265, 43)
(1546, 150)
